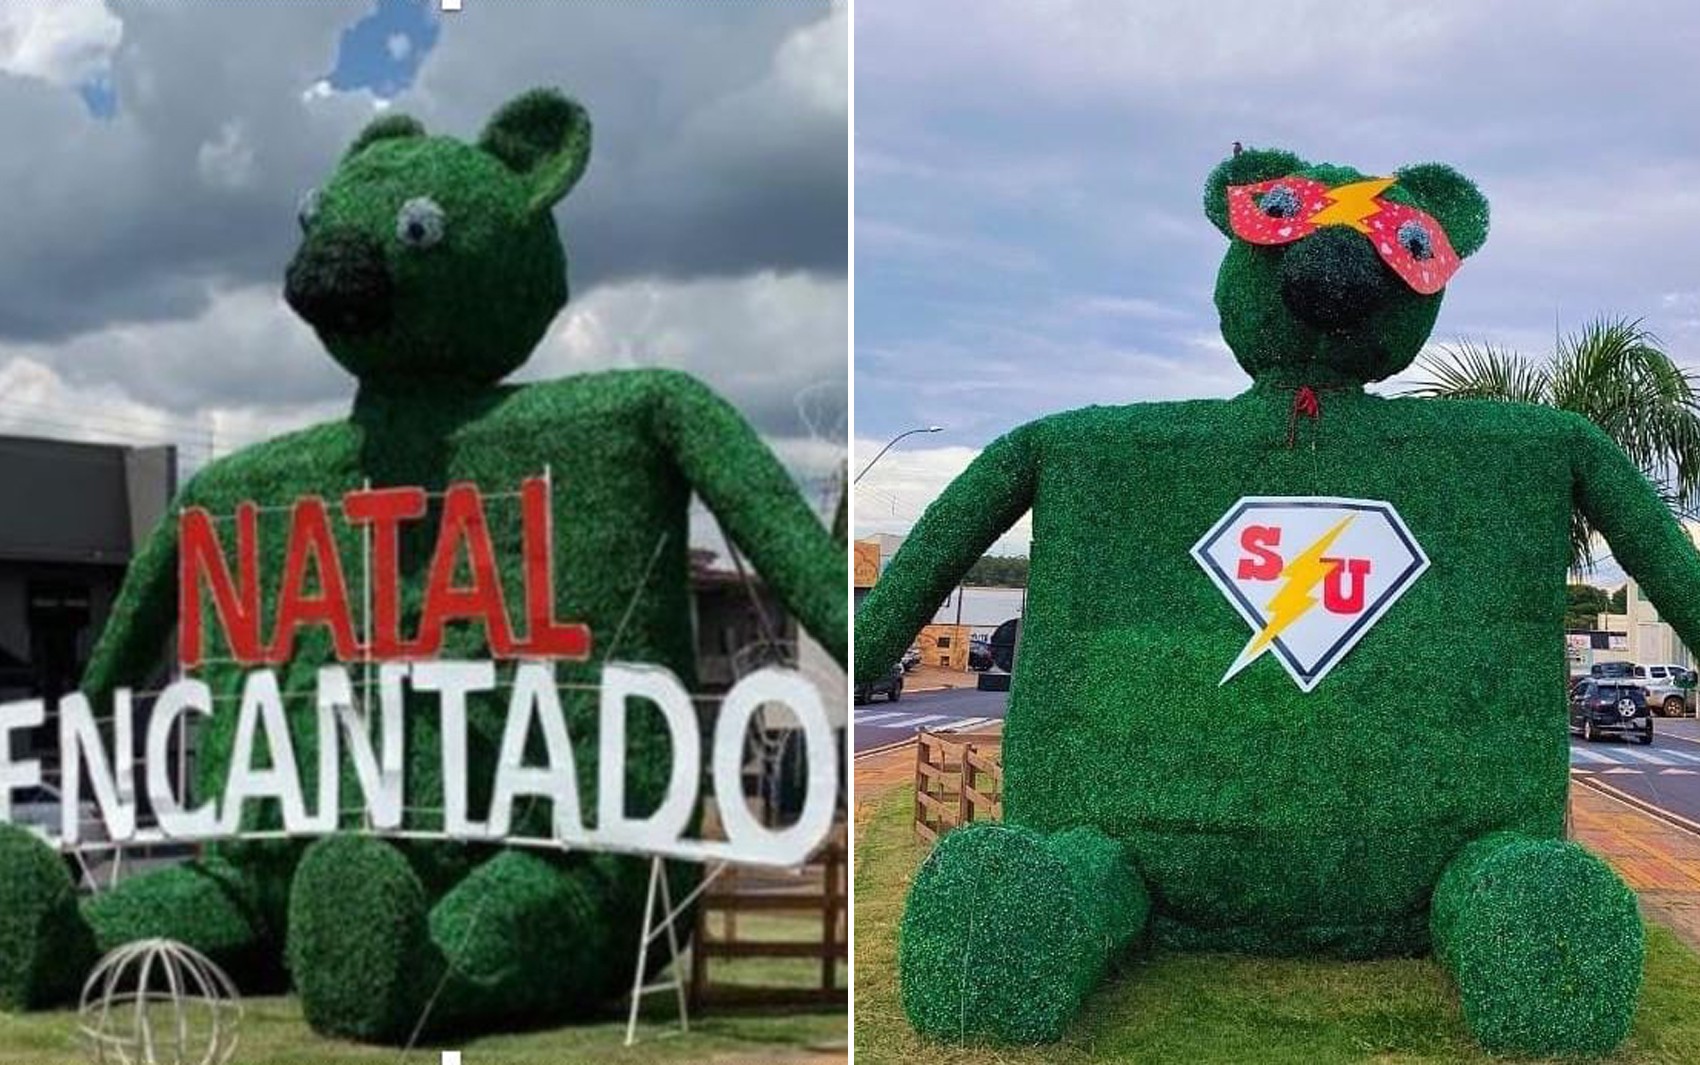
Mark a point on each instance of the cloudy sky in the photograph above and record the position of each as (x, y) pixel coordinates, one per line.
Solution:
(1028, 179)
(157, 153)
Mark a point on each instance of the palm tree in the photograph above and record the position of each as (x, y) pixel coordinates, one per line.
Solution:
(1613, 373)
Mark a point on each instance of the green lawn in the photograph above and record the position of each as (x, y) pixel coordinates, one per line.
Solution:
(273, 1032)
(1201, 1009)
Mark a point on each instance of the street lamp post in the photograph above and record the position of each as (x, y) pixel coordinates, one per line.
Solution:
(890, 443)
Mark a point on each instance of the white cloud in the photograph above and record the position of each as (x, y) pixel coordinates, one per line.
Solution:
(399, 45)
(36, 401)
(900, 486)
(243, 347)
(60, 43)
(227, 161)
(815, 62)
(772, 343)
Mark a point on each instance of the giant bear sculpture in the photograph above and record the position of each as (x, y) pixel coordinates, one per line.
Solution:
(1222, 739)
(430, 269)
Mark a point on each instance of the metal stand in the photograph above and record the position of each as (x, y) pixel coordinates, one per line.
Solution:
(668, 916)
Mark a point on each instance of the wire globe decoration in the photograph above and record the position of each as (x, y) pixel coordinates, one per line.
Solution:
(159, 1002)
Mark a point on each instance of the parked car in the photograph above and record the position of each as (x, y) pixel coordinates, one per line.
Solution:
(890, 685)
(1599, 706)
(1612, 669)
(911, 659)
(1669, 698)
(1666, 673)
(980, 656)
(1670, 688)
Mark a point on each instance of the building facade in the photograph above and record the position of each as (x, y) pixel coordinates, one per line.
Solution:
(74, 516)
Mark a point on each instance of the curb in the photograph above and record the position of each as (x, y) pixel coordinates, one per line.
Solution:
(885, 748)
(1640, 805)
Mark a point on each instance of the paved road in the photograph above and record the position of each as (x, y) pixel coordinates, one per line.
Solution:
(953, 710)
(1665, 775)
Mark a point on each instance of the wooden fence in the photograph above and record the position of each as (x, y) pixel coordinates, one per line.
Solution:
(958, 779)
(821, 888)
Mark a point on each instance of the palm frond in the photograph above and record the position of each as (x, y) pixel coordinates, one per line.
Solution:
(1467, 370)
(1613, 372)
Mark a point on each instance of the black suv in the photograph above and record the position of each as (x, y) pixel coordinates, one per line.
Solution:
(1599, 705)
(890, 685)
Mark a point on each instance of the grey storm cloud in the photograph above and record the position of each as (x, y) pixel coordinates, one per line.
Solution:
(719, 150)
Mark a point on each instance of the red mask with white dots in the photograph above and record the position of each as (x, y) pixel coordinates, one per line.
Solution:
(1286, 209)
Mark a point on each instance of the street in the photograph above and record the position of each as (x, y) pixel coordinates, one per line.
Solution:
(952, 710)
(1665, 776)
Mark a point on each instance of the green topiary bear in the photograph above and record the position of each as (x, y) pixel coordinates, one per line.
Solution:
(1402, 794)
(430, 268)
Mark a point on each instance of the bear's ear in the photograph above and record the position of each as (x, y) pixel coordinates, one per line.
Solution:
(383, 129)
(543, 137)
(1452, 199)
(1248, 167)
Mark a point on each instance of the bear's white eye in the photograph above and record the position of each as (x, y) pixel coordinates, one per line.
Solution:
(419, 223)
(307, 209)
(1415, 237)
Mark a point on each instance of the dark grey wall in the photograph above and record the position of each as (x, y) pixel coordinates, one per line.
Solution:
(73, 502)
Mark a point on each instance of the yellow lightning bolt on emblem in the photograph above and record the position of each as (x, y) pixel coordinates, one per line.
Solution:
(1293, 600)
(1349, 205)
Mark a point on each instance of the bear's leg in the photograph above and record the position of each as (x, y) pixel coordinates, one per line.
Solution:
(1544, 942)
(206, 905)
(360, 949)
(519, 938)
(1006, 930)
(46, 948)
(533, 938)
(49, 940)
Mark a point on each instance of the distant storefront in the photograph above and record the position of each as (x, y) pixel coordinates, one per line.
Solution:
(73, 516)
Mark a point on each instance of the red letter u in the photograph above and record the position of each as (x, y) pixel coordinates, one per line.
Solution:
(1333, 596)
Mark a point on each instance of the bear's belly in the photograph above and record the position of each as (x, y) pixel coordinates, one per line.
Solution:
(1264, 818)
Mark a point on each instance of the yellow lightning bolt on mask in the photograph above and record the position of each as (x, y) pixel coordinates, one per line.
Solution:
(1350, 204)
(1293, 600)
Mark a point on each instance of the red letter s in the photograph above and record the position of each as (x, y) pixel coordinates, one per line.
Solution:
(1259, 540)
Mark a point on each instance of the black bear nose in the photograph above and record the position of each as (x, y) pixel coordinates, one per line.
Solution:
(1333, 278)
(340, 283)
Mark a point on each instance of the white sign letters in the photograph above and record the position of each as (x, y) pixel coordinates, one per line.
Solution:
(265, 764)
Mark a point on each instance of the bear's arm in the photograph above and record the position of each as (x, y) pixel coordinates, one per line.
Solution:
(977, 508)
(143, 618)
(759, 506)
(1646, 541)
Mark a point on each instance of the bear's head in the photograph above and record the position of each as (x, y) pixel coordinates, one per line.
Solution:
(1333, 277)
(428, 260)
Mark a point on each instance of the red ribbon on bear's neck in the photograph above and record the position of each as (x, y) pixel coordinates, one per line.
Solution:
(1306, 404)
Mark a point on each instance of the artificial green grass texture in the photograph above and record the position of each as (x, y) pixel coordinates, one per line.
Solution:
(1045, 913)
(626, 450)
(1261, 818)
(1546, 944)
(1160, 1006)
(44, 947)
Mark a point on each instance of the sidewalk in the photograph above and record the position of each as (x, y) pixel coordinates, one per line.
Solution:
(925, 678)
(894, 767)
(1660, 861)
